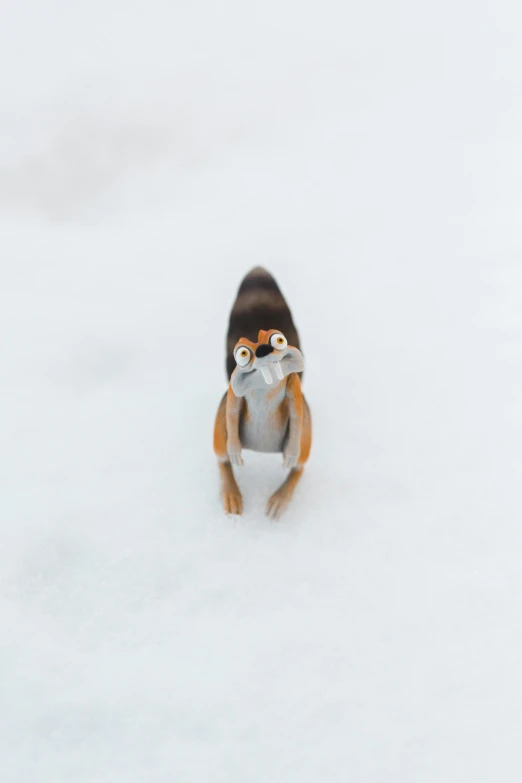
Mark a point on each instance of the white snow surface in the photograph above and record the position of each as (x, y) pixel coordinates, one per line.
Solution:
(368, 154)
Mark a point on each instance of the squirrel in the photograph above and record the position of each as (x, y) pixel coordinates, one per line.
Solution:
(264, 408)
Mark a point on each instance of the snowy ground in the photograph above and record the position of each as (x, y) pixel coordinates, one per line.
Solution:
(369, 154)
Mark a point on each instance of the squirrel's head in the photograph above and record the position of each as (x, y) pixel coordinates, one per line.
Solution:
(265, 363)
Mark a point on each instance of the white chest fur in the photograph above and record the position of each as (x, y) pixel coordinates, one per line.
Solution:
(264, 423)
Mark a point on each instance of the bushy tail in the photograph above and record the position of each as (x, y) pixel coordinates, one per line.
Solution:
(259, 305)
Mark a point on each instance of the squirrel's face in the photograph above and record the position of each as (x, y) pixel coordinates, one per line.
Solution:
(271, 358)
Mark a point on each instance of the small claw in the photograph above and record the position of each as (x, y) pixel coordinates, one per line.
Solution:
(276, 506)
(236, 458)
(233, 504)
(270, 510)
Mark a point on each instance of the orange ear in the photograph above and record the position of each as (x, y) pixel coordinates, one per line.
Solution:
(261, 336)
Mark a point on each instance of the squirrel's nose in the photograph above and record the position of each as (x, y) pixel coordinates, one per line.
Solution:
(263, 350)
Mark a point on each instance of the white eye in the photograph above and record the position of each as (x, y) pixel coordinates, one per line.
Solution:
(278, 342)
(242, 356)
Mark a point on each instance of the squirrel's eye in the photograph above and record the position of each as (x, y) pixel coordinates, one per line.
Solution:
(278, 342)
(242, 356)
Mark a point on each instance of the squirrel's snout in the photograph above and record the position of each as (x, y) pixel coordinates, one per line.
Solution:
(263, 350)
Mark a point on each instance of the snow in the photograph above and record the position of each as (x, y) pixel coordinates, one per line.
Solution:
(369, 156)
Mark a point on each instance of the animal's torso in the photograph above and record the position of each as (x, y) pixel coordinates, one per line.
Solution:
(263, 423)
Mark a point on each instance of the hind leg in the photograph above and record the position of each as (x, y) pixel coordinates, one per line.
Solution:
(230, 493)
(282, 496)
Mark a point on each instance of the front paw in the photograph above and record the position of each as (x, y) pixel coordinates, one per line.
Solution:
(234, 453)
(290, 459)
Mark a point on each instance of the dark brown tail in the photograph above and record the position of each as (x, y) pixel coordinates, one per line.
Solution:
(259, 305)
